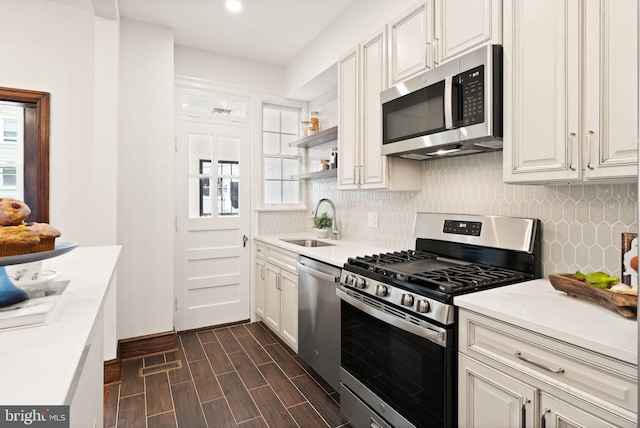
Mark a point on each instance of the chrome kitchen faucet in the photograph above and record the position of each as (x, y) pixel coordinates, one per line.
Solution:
(334, 224)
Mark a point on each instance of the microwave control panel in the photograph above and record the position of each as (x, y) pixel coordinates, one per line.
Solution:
(471, 92)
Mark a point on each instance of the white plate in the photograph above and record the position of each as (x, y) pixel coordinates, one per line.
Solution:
(44, 277)
(59, 249)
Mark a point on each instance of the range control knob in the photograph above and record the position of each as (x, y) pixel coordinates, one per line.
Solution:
(406, 300)
(381, 290)
(348, 279)
(360, 283)
(423, 306)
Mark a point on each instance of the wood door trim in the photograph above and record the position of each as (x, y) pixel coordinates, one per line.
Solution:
(39, 202)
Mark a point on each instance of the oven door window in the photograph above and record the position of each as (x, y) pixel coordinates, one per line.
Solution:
(412, 374)
(415, 114)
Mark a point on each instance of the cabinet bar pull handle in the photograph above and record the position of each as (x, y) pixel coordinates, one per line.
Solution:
(435, 52)
(571, 136)
(519, 355)
(262, 272)
(589, 136)
(427, 50)
(524, 412)
(543, 420)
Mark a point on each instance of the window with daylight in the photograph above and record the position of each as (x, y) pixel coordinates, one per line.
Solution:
(281, 163)
(11, 151)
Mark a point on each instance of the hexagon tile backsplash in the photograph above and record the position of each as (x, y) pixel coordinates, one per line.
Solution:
(581, 223)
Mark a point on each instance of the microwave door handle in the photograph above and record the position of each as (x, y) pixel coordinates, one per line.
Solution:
(448, 102)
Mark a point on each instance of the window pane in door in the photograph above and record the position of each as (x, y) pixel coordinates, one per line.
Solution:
(228, 203)
(200, 147)
(200, 197)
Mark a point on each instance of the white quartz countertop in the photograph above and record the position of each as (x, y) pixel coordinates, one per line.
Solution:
(38, 364)
(537, 306)
(336, 254)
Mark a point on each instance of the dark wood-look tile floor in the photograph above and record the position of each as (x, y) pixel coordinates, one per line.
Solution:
(239, 376)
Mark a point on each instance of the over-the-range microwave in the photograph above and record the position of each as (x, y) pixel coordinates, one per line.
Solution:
(454, 109)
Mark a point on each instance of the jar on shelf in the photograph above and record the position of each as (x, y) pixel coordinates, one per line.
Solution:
(333, 162)
(324, 163)
(314, 122)
(304, 128)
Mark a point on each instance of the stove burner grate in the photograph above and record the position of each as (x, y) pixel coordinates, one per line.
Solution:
(453, 279)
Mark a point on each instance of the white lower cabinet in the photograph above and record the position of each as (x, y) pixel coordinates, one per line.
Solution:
(259, 278)
(277, 293)
(512, 377)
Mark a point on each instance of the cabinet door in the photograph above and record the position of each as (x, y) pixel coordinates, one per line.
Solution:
(348, 126)
(289, 312)
(541, 82)
(488, 398)
(410, 38)
(374, 74)
(272, 297)
(461, 25)
(611, 89)
(260, 283)
(555, 413)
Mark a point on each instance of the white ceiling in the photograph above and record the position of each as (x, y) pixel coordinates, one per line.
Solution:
(268, 31)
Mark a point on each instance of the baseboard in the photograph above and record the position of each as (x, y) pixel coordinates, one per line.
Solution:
(229, 324)
(112, 371)
(139, 347)
(146, 346)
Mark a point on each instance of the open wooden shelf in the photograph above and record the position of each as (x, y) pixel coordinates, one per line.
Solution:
(313, 175)
(322, 137)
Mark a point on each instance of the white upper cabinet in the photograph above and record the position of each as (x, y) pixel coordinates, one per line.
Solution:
(348, 131)
(362, 75)
(410, 42)
(554, 128)
(463, 25)
(610, 132)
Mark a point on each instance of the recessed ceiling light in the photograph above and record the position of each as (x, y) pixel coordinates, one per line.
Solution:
(233, 6)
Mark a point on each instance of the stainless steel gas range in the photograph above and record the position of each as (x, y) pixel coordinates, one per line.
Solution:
(398, 322)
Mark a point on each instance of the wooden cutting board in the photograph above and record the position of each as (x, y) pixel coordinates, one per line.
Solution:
(625, 305)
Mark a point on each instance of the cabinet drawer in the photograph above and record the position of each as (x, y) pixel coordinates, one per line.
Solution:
(260, 249)
(564, 366)
(282, 258)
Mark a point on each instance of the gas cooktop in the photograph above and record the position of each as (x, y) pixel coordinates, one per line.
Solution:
(431, 271)
(454, 254)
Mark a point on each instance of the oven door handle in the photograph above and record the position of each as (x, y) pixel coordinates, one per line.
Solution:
(437, 337)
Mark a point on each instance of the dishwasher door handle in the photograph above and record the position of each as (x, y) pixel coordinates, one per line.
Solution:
(317, 274)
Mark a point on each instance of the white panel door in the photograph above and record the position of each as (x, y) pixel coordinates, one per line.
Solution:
(212, 258)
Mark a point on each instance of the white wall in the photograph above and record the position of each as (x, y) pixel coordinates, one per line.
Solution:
(357, 23)
(235, 72)
(48, 46)
(106, 57)
(145, 180)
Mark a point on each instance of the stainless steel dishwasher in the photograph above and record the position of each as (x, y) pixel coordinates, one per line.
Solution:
(319, 318)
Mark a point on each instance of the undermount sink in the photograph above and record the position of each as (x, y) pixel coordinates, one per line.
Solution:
(308, 242)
